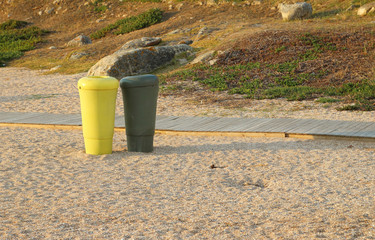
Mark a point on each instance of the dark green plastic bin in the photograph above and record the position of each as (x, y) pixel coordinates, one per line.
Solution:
(140, 94)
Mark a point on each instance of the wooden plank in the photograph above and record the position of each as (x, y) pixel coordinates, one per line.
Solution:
(304, 125)
(240, 124)
(368, 131)
(302, 128)
(287, 126)
(255, 126)
(191, 123)
(224, 134)
(222, 124)
(166, 122)
(349, 129)
(277, 125)
(8, 116)
(119, 121)
(160, 117)
(213, 124)
(207, 125)
(26, 118)
(323, 127)
(71, 120)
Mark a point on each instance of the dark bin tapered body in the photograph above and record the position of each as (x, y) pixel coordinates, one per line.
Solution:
(140, 95)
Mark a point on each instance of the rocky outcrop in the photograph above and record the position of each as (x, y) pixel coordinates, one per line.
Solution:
(142, 42)
(205, 57)
(365, 9)
(79, 41)
(299, 10)
(130, 62)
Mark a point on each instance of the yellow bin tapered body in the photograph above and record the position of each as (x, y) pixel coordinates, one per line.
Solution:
(98, 103)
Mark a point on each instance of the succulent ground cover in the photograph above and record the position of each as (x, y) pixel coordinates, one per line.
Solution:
(16, 37)
(335, 65)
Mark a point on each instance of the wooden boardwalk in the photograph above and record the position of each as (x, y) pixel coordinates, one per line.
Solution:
(308, 128)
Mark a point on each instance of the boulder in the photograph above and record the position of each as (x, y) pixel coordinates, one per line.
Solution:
(142, 42)
(130, 62)
(79, 41)
(365, 9)
(299, 10)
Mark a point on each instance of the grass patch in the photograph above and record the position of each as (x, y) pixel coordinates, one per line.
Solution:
(16, 38)
(98, 6)
(327, 100)
(130, 24)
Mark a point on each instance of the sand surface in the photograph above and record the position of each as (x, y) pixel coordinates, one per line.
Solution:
(23, 90)
(189, 187)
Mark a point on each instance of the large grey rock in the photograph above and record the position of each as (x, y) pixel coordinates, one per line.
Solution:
(79, 41)
(365, 9)
(142, 42)
(136, 61)
(299, 10)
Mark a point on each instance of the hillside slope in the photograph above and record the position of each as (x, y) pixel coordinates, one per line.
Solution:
(69, 18)
(333, 48)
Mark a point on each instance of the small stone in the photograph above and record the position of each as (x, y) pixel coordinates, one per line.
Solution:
(365, 9)
(99, 20)
(49, 10)
(78, 55)
(211, 2)
(203, 57)
(174, 32)
(55, 68)
(182, 61)
(256, 2)
(79, 41)
(40, 13)
(52, 47)
(187, 42)
(179, 6)
(213, 61)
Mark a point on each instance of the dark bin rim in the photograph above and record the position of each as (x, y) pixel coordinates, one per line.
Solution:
(147, 80)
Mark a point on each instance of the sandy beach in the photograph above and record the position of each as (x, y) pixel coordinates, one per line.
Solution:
(189, 187)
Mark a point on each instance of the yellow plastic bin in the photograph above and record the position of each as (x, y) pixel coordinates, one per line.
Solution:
(98, 103)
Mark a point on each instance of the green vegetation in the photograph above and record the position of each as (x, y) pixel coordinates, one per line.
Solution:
(130, 24)
(260, 80)
(237, 80)
(327, 100)
(16, 38)
(98, 6)
(318, 44)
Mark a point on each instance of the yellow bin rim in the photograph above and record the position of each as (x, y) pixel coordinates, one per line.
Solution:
(98, 83)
